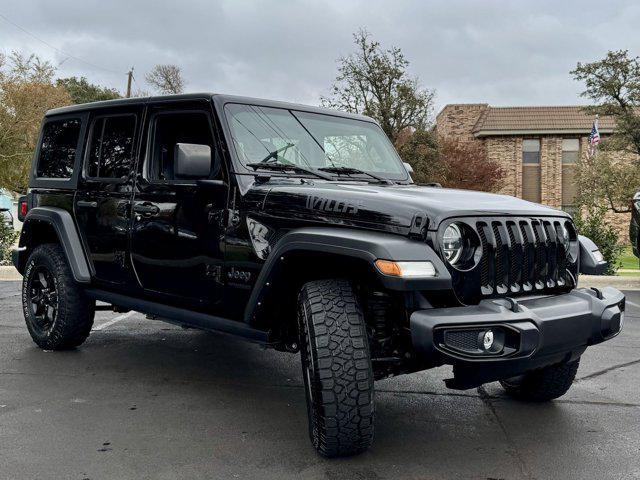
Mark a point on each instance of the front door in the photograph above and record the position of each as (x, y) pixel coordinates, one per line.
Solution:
(103, 199)
(178, 227)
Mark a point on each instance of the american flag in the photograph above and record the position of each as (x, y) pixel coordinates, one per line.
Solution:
(594, 138)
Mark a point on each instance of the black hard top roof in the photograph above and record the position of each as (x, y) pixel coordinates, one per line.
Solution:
(217, 98)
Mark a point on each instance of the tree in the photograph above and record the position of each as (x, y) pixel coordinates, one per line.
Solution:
(607, 179)
(465, 165)
(166, 79)
(447, 161)
(420, 150)
(590, 221)
(81, 91)
(375, 82)
(27, 91)
(613, 85)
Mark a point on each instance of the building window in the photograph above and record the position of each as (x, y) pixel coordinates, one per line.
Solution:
(570, 156)
(531, 170)
(570, 151)
(531, 152)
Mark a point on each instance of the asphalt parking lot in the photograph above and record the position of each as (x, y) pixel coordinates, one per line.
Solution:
(144, 399)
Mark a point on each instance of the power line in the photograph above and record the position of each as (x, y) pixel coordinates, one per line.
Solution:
(55, 48)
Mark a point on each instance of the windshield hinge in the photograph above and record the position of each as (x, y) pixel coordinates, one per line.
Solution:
(419, 226)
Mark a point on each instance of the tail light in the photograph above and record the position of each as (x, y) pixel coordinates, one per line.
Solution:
(23, 208)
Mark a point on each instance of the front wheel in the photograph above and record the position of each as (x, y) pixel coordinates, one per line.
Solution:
(58, 313)
(336, 367)
(542, 385)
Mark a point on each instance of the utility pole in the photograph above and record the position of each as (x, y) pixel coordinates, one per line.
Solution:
(129, 79)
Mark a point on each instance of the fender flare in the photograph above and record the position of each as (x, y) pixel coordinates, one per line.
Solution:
(65, 228)
(591, 261)
(361, 244)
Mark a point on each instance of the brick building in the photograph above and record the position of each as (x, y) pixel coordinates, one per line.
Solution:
(537, 147)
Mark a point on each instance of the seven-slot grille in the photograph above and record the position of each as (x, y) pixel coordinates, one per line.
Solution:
(519, 256)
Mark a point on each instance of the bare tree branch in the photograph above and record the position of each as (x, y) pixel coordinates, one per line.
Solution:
(166, 78)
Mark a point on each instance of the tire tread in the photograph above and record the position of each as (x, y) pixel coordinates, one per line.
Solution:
(545, 384)
(75, 314)
(344, 419)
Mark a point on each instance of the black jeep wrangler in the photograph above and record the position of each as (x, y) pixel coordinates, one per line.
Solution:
(300, 228)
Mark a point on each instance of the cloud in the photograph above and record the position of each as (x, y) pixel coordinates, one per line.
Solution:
(503, 53)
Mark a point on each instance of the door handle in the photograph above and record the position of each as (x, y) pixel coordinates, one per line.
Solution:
(87, 204)
(146, 209)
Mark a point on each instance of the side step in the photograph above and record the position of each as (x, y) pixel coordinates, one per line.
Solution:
(180, 316)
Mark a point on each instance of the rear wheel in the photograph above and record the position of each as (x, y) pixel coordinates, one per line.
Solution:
(57, 312)
(336, 367)
(542, 385)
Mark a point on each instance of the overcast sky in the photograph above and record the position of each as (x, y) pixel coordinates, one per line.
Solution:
(499, 52)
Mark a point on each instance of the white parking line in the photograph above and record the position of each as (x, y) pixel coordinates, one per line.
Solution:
(632, 304)
(113, 321)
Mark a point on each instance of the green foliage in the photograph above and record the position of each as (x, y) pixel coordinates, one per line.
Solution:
(613, 85)
(590, 222)
(81, 91)
(420, 150)
(8, 236)
(375, 82)
(607, 179)
(27, 91)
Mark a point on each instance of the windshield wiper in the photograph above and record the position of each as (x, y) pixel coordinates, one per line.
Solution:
(274, 155)
(352, 171)
(283, 167)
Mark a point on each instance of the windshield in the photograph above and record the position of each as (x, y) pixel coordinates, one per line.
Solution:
(311, 140)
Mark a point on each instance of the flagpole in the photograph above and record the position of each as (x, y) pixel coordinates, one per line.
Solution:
(595, 147)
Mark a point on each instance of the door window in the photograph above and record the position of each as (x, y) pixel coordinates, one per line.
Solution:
(169, 129)
(111, 148)
(58, 148)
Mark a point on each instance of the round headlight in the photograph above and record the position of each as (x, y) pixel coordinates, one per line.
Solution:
(452, 244)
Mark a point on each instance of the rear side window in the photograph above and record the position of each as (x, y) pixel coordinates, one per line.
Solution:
(58, 148)
(170, 129)
(111, 148)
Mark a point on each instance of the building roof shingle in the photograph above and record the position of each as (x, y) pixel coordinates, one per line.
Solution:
(538, 120)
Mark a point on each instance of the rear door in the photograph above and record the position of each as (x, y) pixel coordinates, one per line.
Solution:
(178, 227)
(103, 200)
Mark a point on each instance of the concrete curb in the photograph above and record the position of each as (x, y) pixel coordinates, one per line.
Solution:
(9, 273)
(621, 283)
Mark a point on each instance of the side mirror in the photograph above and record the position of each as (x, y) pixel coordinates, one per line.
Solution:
(192, 161)
(591, 260)
(408, 167)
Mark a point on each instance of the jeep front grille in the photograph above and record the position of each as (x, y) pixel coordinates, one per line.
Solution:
(519, 256)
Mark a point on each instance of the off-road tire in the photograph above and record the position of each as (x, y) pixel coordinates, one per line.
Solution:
(542, 385)
(74, 311)
(336, 367)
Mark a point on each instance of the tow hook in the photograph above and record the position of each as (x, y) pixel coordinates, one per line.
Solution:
(509, 303)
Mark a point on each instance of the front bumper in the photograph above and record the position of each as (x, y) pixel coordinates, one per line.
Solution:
(530, 333)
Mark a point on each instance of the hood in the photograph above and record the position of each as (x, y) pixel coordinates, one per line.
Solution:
(393, 206)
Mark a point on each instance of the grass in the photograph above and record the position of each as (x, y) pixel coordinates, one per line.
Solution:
(629, 262)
